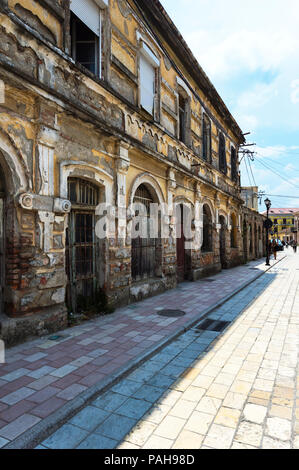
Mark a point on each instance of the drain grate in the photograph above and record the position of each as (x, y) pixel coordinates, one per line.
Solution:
(220, 325)
(206, 324)
(171, 313)
(213, 325)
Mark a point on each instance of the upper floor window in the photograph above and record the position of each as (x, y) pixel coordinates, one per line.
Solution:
(148, 79)
(207, 139)
(234, 168)
(182, 118)
(85, 31)
(222, 154)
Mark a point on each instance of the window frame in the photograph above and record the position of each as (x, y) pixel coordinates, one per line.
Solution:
(222, 154)
(100, 62)
(147, 54)
(206, 138)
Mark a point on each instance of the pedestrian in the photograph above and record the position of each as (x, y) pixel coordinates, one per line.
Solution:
(275, 248)
(295, 246)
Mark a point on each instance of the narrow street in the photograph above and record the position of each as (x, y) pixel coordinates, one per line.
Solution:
(229, 382)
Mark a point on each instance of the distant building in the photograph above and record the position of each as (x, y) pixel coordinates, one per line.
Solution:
(250, 196)
(284, 223)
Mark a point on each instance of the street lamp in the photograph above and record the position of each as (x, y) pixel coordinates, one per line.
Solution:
(268, 225)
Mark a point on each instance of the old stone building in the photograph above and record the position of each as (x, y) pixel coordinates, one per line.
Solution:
(103, 102)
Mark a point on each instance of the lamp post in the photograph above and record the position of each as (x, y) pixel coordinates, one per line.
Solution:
(268, 226)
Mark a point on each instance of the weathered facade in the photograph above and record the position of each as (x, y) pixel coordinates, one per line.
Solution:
(103, 102)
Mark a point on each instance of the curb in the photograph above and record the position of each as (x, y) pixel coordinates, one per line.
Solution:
(32, 437)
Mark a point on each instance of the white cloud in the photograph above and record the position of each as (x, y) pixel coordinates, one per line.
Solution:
(295, 92)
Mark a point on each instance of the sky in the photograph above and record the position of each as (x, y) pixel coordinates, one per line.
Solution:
(250, 51)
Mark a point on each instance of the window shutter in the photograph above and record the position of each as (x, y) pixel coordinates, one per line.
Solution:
(88, 12)
(147, 85)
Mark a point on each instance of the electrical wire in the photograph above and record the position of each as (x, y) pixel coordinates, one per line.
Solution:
(275, 162)
(258, 160)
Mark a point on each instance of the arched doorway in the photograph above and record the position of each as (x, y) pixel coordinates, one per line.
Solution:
(223, 260)
(81, 245)
(207, 244)
(245, 241)
(183, 229)
(234, 231)
(146, 255)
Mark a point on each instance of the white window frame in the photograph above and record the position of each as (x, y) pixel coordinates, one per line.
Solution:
(97, 5)
(147, 55)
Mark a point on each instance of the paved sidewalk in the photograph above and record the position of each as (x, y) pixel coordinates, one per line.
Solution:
(236, 389)
(44, 381)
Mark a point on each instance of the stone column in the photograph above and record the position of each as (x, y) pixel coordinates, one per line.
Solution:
(119, 275)
(169, 237)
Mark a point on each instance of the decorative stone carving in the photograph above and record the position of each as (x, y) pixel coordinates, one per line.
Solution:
(26, 201)
(46, 168)
(167, 63)
(124, 8)
(62, 206)
(47, 220)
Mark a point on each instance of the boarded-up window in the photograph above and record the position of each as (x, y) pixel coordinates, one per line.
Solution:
(182, 118)
(222, 154)
(234, 169)
(207, 139)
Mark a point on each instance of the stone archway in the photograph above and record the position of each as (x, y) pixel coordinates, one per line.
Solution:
(184, 217)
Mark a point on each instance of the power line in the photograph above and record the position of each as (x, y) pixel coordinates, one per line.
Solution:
(278, 195)
(275, 172)
(275, 162)
(250, 167)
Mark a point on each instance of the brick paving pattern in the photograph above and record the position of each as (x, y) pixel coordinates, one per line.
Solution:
(42, 376)
(235, 389)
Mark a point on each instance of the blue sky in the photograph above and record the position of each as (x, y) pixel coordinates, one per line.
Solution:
(250, 52)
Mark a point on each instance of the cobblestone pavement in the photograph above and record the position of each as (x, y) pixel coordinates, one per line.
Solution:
(237, 387)
(43, 378)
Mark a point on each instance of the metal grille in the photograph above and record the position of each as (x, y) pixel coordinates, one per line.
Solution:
(81, 243)
(83, 192)
(143, 249)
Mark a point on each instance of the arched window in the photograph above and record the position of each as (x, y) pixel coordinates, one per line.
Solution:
(234, 230)
(207, 229)
(145, 250)
(207, 139)
(222, 154)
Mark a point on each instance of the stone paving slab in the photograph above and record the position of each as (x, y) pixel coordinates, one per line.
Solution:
(244, 412)
(94, 354)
